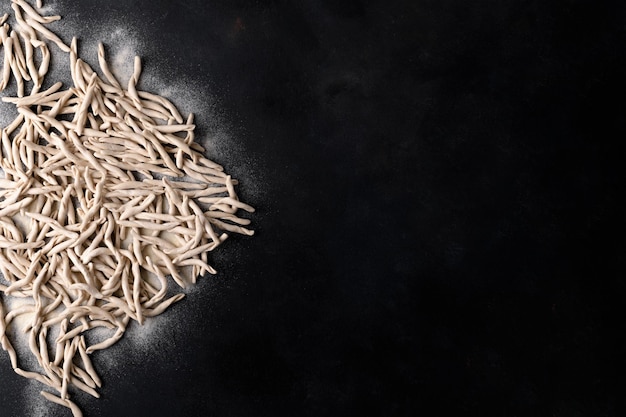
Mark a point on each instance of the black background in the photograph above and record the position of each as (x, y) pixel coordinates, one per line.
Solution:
(438, 229)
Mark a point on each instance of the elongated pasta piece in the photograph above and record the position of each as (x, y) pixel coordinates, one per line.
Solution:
(20, 58)
(47, 33)
(64, 402)
(8, 58)
(34, 14)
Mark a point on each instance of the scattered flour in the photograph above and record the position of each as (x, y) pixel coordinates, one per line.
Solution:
(36, 405)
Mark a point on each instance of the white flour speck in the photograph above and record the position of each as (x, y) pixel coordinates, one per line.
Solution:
(35, 404)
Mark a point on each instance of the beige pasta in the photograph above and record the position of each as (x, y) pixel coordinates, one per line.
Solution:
(105, 201)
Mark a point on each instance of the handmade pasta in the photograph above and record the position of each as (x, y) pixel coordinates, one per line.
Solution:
(105, 195)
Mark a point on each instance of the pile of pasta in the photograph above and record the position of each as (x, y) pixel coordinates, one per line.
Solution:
(105, 199)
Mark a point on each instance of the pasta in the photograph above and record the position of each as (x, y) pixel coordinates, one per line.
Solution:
(105, 195)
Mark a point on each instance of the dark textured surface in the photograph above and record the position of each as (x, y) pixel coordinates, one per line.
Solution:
(439, 226)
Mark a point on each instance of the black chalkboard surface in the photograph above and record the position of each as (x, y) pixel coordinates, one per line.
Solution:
(438, 226)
